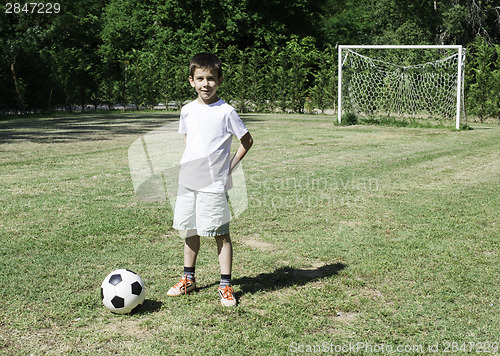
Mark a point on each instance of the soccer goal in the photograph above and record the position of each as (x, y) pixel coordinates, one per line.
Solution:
(420, 82)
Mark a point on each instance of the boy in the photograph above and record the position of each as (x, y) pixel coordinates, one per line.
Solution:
(202, 209)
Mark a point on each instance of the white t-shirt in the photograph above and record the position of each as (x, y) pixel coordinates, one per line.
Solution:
(206, 160)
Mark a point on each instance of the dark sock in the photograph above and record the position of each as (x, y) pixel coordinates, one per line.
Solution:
(225, 280)
(189, 273)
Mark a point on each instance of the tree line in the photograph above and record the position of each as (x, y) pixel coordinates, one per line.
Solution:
(277, 54)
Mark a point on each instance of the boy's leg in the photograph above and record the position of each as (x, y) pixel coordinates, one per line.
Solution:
(191, 249)
(225, 251)
(187, 282)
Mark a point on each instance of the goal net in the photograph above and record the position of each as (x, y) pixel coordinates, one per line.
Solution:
(419, 82)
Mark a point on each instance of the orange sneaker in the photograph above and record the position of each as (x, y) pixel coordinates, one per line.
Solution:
(184, 286)
(227, 298)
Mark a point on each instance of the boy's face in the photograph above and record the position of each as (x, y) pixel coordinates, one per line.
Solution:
(206, 83)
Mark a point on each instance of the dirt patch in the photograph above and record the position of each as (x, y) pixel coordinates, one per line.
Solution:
(372, 293)
(346, 317)
(127, 328)
(257, 244)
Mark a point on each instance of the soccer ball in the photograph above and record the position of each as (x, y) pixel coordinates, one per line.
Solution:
(122, 291)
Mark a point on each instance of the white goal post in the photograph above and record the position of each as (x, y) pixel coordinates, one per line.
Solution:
(405, 89)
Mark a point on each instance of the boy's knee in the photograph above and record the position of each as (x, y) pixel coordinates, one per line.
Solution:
(192, 233)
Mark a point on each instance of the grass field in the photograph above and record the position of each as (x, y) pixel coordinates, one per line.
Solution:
(357, 238)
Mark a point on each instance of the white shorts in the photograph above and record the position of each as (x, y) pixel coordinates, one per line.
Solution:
(201, 213)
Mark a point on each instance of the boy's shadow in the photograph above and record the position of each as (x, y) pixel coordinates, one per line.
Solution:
(283, 277)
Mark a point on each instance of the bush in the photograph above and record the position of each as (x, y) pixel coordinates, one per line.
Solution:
(349, 119)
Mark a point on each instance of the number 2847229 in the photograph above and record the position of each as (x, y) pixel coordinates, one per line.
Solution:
(32, 8)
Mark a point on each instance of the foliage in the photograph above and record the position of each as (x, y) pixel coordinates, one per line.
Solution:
(484, 79)
(324, 91)
(278, 54)
(349, 119)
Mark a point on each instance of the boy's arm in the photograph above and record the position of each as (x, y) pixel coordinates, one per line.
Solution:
(246, 144)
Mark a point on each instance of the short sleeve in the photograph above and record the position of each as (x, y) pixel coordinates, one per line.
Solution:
(182, 124)
(235, 126)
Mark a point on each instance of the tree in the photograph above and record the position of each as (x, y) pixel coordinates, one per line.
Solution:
(275, 52)
(21, 38)
(484, 88)
(324, 92)
(73, 57)
(299, 57)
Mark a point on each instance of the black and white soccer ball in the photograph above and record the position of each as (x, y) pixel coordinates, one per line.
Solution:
(122, 291)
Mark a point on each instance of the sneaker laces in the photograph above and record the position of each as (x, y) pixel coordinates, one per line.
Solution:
(227, 292)
(182, 283)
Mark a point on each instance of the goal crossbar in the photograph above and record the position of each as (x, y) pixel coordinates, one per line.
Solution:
(459, 70)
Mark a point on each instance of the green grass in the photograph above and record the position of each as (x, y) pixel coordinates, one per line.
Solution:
(409, 122)
(381, 235)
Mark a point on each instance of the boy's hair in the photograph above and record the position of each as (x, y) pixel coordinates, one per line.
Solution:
(205, 60)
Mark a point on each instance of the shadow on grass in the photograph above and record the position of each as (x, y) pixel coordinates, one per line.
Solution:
(285, 277)
(81, 127)
(282, 278)
(84, 126)
(149, 306)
